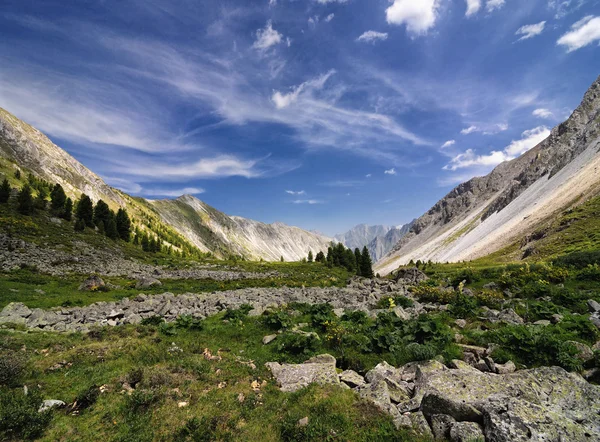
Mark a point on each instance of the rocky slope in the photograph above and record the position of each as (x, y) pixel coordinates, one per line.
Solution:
(361, 235)
(211, 230)
(26, 148)
(488, 213)
(382, 244)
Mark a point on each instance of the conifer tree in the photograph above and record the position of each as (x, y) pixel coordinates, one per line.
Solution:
(330, 257)
(101, 228)
(85, 211)
(281, 259)
(350, 261)
(40, 202)
(358, 258)
(79, 225)
(101, 213)
(320, 257)
(4, 191)
(25, 204)
(145, 242)
(366, 264)
(58, 200)
(123, 225)
(18, 174)
(111, 228)
(68, 210)
(310, 256)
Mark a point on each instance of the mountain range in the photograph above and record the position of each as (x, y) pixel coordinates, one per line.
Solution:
(518, 198)
(25, 148)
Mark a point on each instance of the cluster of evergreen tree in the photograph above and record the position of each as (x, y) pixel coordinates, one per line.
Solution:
(113, 225)
(339, 256)
(26, 204)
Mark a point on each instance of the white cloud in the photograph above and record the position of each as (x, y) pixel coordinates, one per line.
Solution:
(282, 101)
(492, 5)
(324, 2)
(174, 193)
(267, 37)
(312, 21)
(496, 128)
(418, 16)
(469, 158)
(329, 17)
(529, 31)
(469, 130)
(299, 192)
(368, 175)
(565, 7)
(584, 32)
(473, 7)
(448, 143)
(391, 171)
(311, 202)
(543, 113)
(372, 36)
(272, 2)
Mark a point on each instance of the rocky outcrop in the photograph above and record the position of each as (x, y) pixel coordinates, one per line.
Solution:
(487, 213)
(382, 244)
(292, 377)
(464, 404)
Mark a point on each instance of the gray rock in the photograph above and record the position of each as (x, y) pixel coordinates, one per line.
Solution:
(411, 276)
(293, 377)
(352, 378)
(15, 313)
(94, 282)
(556, 318)
(593, 306)
(507, 368)
(466, 432)
(49, 404)
(460, 323)
(414, 422)
(542, 323)
(584, 352)
(147, 282)
(441, 425)
(268, 339)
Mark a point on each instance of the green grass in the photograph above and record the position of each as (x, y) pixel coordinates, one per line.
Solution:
(211, 387)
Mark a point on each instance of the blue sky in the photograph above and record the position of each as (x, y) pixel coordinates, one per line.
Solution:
(316, 113)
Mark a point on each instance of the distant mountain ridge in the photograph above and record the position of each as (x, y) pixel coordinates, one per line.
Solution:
(361, 235)
(485, 214)
(382, 244)
(207, 229)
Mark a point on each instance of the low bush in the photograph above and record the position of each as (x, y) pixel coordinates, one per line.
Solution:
(279, 319)
(295, 344)
(236, 316)
(19, 417)
(12, 367)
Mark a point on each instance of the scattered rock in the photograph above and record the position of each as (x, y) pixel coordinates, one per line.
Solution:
(182, 404)
(351, 378)
(460, 323)
(411, 276)
(507, 368)
(147, 282)
(303, 422)
(556, 318)
(542, 323)
(466, 432)
(94, 282)
(593, 306)
(293, 377)
(50, 404)
(268, 339)
(584, 352)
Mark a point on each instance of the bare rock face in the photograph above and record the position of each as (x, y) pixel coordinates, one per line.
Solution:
(292, 377)
(411, 276)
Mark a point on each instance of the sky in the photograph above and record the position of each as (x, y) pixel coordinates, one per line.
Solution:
(317, 113)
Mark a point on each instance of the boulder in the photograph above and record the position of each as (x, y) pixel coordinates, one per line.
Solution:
(293, 377)
(593, 306)
(15, 313)
(94, 282)
(415, 422)
(507, 368)
(268, 339)
(584, 352)
(411, 276)
(49, 404)
(147, 282)
(351, 378)
(466, 432)
(441, 425)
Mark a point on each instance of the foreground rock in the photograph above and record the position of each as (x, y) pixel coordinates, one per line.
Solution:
(292, 377)
(463, 404)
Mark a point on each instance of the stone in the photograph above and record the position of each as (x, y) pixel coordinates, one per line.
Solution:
(584, 352)
(438, 403)
(303, 422)
(441, 425)
(268, 339)
(466, 432)
(50, 404)
(460, 365)
(401, 313)
(352, 378)
(460, 323)
(507, 368)
(593, 306)
(15, 313)
(556, 318)
(509, 316)
(411, 276)
(379, 395)
(147, 282)
(292, 377)
(92, 283)
(414, 422)
(542, 323)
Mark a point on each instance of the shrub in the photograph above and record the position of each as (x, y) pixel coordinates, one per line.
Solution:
(278, 319)
(298, 344)
(188, 322)
(141, 400)
(19, 417)
(321, 314)
(578, 260)
(153, 320)
(236, 316)
(590, 273)
(12, 367)
(86, 398)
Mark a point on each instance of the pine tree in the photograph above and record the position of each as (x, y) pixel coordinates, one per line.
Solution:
(310, 256)
(111, 228)
(350, 261)
(320, 257)
(25, 203)
(85, 211)
(58, 200)
(366, 264)
(101, 228)
(358, 258)
(18, 174)
(79, 225)
(123, 225)
(281, 259)
(101, 213)
(145, 242)
(68, 210)
(330, 257)
(4, 191)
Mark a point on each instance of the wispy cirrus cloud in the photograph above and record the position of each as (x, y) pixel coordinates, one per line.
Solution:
(372, 37)
(310, 202)
(295, 192)
(583, 33)
(529, 31)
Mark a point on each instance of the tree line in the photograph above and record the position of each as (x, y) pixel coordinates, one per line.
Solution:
(339, 256)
